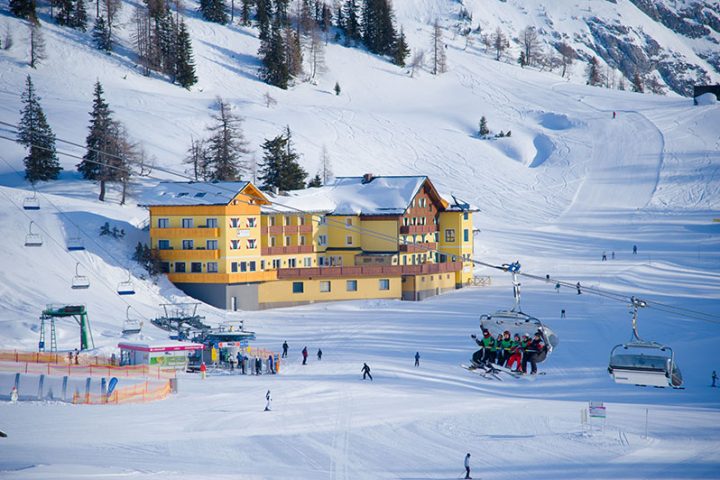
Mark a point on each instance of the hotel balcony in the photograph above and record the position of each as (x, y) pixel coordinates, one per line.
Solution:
(417, 229)
(373, 271)
(418, 247)
(196, 232)
(290, 249)
(195, 254)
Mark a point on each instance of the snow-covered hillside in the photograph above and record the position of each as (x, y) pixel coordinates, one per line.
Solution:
(570, 183)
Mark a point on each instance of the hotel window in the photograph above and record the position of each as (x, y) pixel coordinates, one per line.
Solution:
(322, 240)
(272, 241)
(465, 215)
(251, 243)
(253, 266)
(288, 241)
(292, 263)
(163, 223)
(322, 261)
(211, 244)
(187, 223)
(163, 244)
(243, 266)
(288, 221)
(324, 286)
(164, 267)
(234, 267)
(301, 220)
(298, 287)
(323, 220)
(449, 234)
(251, 222)
(307, 262)
(179, 267)
(212, 267)
(349, 240)
(384, 284)
(276, 263)
(188, 244)
(211, 223)
(196, 267)
(234, 244)
(262, 264)
(406, 221)
(272, 221)
(348, 222)
(466, 235)
(234, 222)
(302, 239)
(351, 285)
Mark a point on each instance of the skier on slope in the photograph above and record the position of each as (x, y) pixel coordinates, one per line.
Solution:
(285, 349)
(304, 355)
(268, 399)
(366, 371)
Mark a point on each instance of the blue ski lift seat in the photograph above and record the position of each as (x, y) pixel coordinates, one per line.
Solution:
(75, 244)
(126, 287)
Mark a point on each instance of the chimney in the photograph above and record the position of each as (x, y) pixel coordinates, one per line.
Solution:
(367, 178)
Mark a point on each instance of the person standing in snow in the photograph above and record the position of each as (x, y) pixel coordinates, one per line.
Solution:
(417, 359)
(268, 399)
(366, 371)
(14, 394)
(467, 466)
(634, 249)
(285, 349)
(612, 255)
(604, 257)
(203, 370)
(258, 365)
(304, 355)
(557, 287)
(562, 313)
(232, 360)
(270, 364)
(578, 288)
(319, 354)
(714, 378)
(613, 115)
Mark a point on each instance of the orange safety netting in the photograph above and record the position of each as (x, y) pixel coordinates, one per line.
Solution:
(54, 357)
(139, 393)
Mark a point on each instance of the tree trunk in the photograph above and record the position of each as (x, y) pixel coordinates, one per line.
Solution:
(102, 191)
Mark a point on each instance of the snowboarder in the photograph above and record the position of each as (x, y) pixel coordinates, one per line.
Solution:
(203, 370)
(14, 393)
(613, 115)
(366, 371)
(714, 378)
(417, 359)
(304, 355)
(604, 257)
(285, 349)
(578, 288)
(562, 313)
(557, 287)
(535, 352)
(612, 255)
(634, 249)
(319, 354)
(467, 466)
(268, 399)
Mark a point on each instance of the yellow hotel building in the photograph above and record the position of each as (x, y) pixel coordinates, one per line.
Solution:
(238, 248)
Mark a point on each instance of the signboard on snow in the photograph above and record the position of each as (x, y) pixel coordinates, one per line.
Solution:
(597, 410)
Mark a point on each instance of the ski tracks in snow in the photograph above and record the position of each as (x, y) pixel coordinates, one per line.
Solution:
(340, 453)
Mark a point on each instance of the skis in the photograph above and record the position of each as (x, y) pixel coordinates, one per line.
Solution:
(484, 371)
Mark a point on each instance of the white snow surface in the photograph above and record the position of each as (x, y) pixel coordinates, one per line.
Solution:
(570, 183)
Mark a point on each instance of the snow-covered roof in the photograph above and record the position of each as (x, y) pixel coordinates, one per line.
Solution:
(191, 193)
(352, 196)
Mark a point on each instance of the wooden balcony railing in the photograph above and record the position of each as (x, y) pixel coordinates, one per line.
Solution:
(415, 229)
(196, 232)
(418, 247)
(189, 254)
(287, 250)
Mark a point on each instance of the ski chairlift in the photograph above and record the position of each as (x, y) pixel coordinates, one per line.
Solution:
(516, 321)
(131, 325)
(33, 239)
(75, 243)
(31, 203)
(126, 287)
(79, 282)
(641, 362)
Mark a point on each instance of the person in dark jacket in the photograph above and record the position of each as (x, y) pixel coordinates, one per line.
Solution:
(319, 354)
(285, 349)
(487, 348)
(467, 466)
(366, 371)
(304, 355)
(417, 359)
(534, 353)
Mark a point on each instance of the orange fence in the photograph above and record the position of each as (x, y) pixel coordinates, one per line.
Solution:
(55, 357)
(139, 393)
(88, 370)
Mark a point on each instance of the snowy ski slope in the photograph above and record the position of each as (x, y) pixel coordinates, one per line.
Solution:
(569, 183)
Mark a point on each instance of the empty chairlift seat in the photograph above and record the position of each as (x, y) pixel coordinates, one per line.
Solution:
(33, 239)
(75, 244)
(79, 282)
(31, 203)
(644, 363)
(126, 287)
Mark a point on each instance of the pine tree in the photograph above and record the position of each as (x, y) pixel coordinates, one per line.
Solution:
(103, 160)
(23, 9)
(214, 11)
(101, 35)
(280, 168)
(246, 12)
(263, 17)
(316, 181)
(401, 50)
(185, 68)
(293, 53)
(483, 127)
(79, 17)
(226, 145)
(350, 23)
(337, 88)
(377, 26)
(273, 52)
(37, 45)
(41, 163)
(65, 12)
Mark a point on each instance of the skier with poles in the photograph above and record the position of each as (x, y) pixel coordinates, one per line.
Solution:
(366, 371)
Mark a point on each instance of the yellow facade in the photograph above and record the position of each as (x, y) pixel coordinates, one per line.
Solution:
(285, 292)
